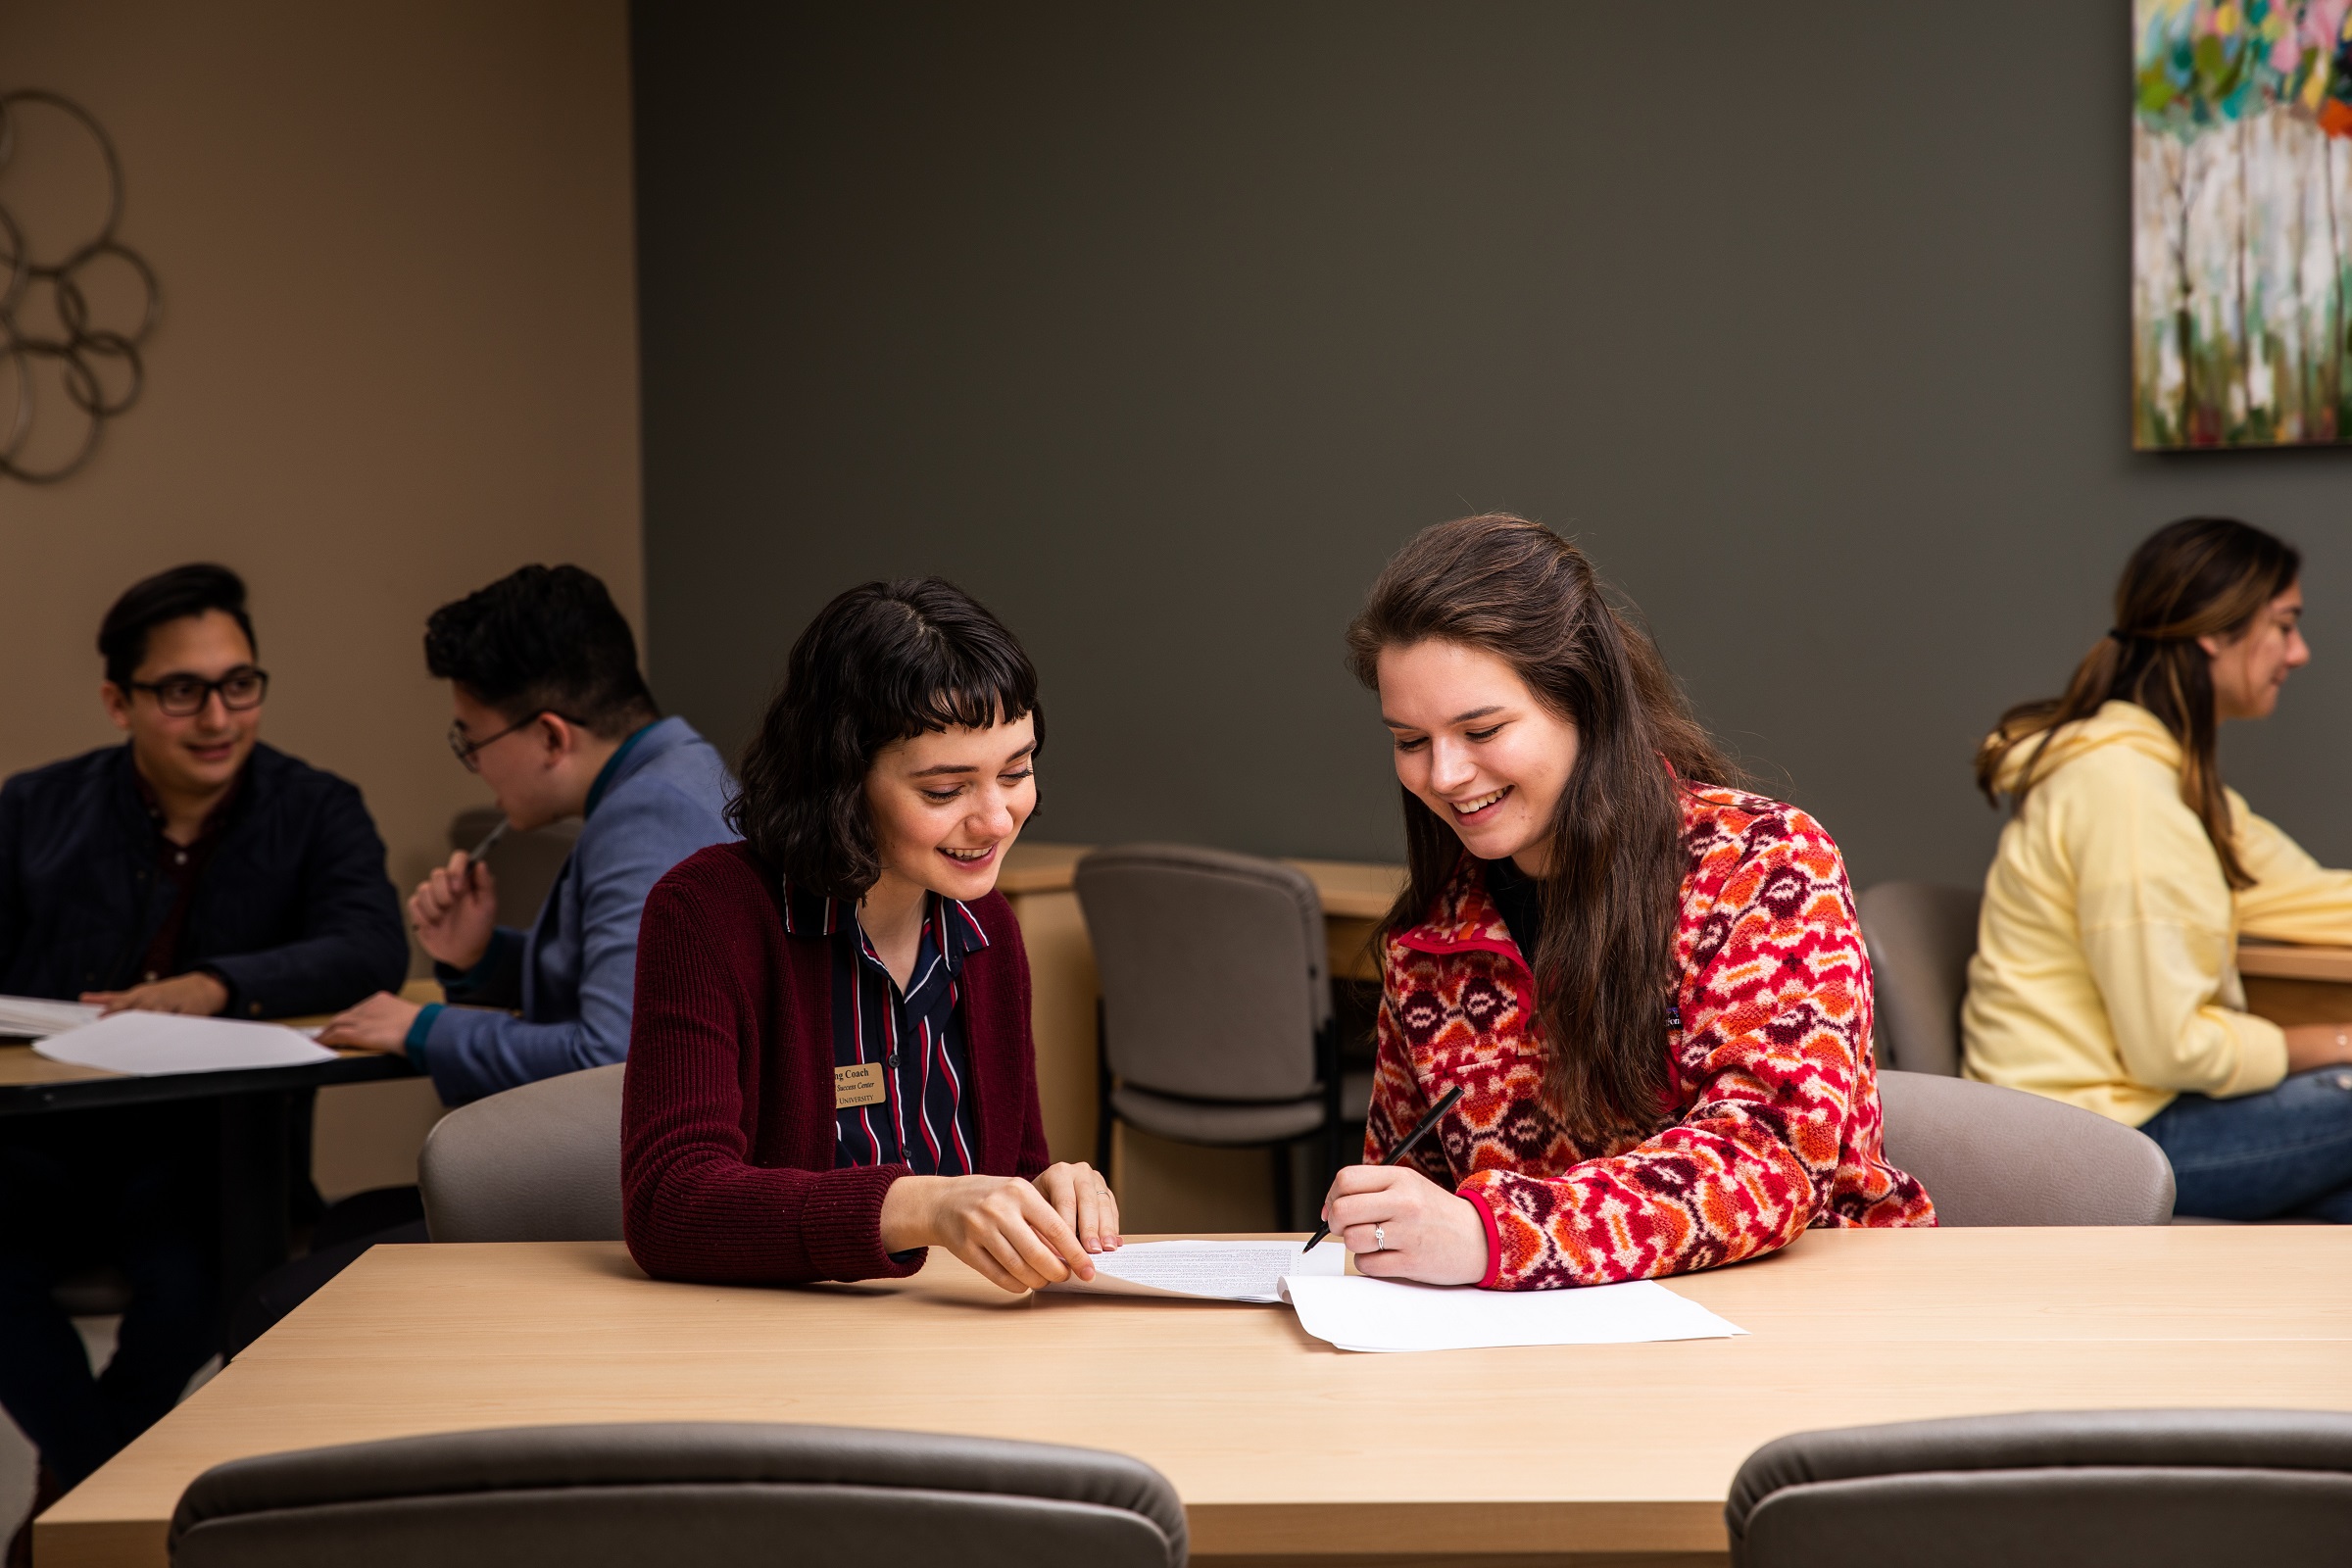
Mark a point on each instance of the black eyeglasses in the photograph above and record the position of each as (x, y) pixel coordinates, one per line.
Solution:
(185, 696)
(462, 749)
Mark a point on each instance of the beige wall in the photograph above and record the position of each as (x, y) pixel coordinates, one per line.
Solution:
(397, 360)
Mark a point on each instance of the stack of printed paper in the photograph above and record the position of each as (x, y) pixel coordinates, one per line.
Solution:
(35, 1018)
(1206, 1271)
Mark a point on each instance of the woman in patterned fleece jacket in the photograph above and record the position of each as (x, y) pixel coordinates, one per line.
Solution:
(1650, 988)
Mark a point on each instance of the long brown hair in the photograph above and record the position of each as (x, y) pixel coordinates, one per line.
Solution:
(2198, 577)
(1604, 966)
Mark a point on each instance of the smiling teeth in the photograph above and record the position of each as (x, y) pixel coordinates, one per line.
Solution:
(1467, 807)
(965, 854)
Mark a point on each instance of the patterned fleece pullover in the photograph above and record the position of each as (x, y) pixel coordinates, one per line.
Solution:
(1774, 1124)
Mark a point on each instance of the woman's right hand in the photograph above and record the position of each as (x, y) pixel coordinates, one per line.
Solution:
(1000, 1225)
(2317, 1045)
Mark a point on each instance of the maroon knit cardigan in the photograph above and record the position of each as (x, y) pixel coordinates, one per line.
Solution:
(726, 1118)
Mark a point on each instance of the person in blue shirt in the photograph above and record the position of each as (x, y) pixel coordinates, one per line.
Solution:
(553, 715)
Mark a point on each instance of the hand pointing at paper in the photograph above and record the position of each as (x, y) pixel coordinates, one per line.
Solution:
(1017, 1236)
(1402, 1226)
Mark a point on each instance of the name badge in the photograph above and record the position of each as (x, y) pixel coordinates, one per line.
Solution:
(857, 1086)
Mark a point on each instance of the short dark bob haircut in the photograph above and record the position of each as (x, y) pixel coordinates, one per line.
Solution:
(174, 595)
(543, 640)
(883, 662)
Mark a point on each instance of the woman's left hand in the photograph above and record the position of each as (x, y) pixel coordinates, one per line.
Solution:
(1402, 1226)
(1083, 1200)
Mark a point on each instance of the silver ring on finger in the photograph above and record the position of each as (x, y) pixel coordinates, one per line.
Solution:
(1379, 1239)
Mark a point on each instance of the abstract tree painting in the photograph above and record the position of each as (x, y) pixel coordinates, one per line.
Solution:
(2242, 232)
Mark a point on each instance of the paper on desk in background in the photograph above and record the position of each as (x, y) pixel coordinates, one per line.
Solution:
(1205, 1271)
(148, 1045)
(1356, 1313)
(37, 1018)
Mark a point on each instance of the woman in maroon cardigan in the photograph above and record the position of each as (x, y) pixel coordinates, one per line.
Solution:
(830, 1066)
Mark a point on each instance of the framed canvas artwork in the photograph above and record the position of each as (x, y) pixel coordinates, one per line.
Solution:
(2241, 222)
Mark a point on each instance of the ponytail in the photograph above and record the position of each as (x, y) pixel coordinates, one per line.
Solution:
(2198, 577)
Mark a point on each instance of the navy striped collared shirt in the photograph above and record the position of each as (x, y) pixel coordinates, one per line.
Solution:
(926, 1120)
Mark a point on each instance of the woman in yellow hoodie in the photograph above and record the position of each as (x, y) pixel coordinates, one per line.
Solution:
(2105, 972)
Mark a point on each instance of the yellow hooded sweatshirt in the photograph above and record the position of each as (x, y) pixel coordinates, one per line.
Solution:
(2106, 965)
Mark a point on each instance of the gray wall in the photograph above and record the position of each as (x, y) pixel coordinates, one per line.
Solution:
(1160, 326)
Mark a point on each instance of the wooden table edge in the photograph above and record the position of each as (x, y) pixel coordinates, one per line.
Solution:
(1431, 1526)
(2281, 960)
(100, 1543)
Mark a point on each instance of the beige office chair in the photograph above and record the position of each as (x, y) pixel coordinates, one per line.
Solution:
(524, 864)
(1990, 1155)
(1217, 1015)
(709, 1494)
(1921, 936)
(2088, 1488)
(538, 1163)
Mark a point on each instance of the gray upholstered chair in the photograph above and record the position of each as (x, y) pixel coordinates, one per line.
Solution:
(1921, 936)
(1216, 1004)
(524, 863)
(2094, 1489)
(1990, 1155)
(538, 1163)
(710, 1494)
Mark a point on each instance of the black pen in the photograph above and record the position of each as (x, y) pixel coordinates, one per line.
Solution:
(1420, 1131)
(473, 856)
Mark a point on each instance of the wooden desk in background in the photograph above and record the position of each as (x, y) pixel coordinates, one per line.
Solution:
(1161, 1184)
(2292, 985)
(1282, 1448)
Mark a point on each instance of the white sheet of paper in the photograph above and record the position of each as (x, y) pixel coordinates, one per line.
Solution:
(1356, 1313)
(1206, 1271)
(37, 1017)
(148, 1045)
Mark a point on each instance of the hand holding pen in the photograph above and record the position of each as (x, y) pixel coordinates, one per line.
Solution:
(453, 912)
(1421, 1130)
(1401, 1225)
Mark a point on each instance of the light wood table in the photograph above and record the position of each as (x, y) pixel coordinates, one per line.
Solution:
(1160, 1183)
(2290, 984)
(1282, 1448)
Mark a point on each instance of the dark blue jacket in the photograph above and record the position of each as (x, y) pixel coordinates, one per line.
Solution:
(294, 911)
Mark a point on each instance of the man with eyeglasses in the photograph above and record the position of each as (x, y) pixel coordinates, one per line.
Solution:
(553, 713)
(193, 869)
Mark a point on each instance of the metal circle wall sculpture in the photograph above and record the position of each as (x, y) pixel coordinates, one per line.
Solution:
(50, 335)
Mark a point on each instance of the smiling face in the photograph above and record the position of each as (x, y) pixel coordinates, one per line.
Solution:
(1475, 745)
(199, 754)
(946, 805)
(2249, 669)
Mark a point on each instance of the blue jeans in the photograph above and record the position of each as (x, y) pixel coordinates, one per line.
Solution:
(2286, 1151)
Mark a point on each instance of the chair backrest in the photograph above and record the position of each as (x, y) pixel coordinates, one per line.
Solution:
(1921, 936)
(1215, 970)
(709, 1495)
(524, 862)
(2087, 1488)
(538, 1163)
(1990, 1155)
